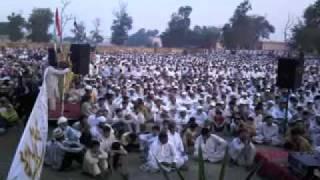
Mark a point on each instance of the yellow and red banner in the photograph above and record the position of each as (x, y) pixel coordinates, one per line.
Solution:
(29, 157)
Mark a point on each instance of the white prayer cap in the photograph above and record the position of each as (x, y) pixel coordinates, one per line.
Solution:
(243, 102)
(244, 94)
(203, 93)
(6, 78)
(102, 119)
(57, 133)
(62, 119)
(270, 102)
(233, 94)
(200, 107)
(88, 87)
(184, 93)
(220, 102)
(300, 105)
(182, 109)
(292, 95)
(213, 104)
(310, 101)
(165, 108)
(258, 94)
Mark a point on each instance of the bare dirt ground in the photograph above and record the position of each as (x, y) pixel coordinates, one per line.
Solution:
(9, 141)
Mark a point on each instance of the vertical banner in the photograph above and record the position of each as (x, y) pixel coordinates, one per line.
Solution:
(58, 25)
(29, 157)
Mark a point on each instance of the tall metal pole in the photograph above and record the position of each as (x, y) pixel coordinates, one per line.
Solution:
(287, 112)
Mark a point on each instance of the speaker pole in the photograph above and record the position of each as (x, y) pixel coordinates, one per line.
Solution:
(287, 111)
(61, 65)
(63, 95)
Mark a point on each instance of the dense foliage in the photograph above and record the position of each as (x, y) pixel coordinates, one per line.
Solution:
(179, 34)
(142, 38)
(39, 23)
(306, 34)
(15, 27)
(244, 31)
(121, 26)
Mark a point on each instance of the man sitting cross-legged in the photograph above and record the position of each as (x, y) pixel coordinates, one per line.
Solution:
(161, 153)
(268, 133)
(241, 149)
(212, 146)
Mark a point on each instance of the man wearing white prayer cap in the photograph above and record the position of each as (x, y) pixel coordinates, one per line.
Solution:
(181, 118)
(200, 116)
(52, 81)
(97, 131)
(70, 133)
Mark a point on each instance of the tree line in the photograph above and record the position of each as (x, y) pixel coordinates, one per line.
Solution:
(36, 28)
(243, 31)
(306, 34)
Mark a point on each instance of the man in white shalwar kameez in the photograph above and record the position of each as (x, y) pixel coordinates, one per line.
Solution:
(181, 118)
(241, 150)
(314, 129)
(268, 133)
(176, 140)
(162, 153)
(213, 147)
(52, 81)
(200, 116)
(95, 161)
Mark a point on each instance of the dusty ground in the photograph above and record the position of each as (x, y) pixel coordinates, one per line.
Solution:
(9, 142)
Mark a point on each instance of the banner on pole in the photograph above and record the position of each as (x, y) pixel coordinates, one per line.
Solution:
(29, 157)
(58, 24)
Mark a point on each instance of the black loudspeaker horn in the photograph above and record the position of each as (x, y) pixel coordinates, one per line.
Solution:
(80, 58)
(290, 73)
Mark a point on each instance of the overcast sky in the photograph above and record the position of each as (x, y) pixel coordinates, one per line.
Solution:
(155, 14)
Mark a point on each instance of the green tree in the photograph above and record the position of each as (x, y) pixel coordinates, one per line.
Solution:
(4, 28)
(306, 34)
(204, 37)
(244, 31)
(121, 26)
(142, 37)
(15, 27)
(178, 28)
(96, 37)
(79, 33)
(39, 23)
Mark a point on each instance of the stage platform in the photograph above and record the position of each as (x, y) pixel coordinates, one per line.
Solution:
(274, 164)
(72, 111)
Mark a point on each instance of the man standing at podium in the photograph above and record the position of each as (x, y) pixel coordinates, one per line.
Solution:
(52, 80)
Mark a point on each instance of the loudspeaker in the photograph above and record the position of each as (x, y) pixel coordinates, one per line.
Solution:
(52, 57)
(290, 73)
(185, 52)
(80, 58)
(303, 165)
